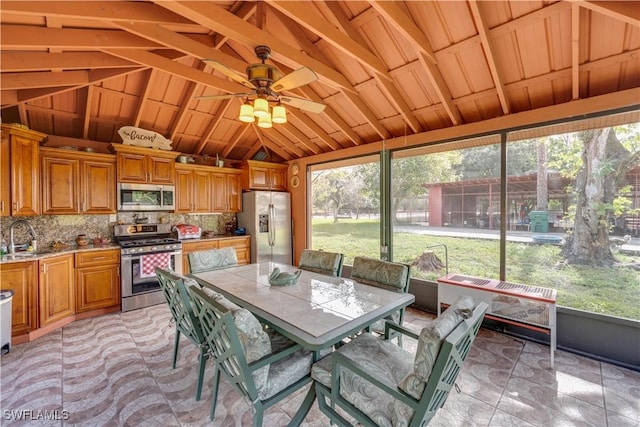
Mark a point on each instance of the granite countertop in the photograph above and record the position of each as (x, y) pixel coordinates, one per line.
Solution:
(49, 252)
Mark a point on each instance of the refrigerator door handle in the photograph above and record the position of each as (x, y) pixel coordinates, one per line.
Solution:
(272, 225)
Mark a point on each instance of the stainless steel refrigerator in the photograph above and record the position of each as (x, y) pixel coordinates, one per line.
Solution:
(266, 215)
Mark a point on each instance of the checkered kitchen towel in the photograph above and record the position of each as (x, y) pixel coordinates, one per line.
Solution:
(148, 263)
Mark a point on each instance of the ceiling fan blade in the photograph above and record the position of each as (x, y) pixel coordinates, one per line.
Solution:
(218, 66)
(300, 77)
(303, 104)
(224, 96)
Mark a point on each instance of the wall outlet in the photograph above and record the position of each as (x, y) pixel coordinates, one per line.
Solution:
(113, 217)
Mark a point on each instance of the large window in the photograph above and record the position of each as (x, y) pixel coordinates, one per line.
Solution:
(564, 213)
(345, 208)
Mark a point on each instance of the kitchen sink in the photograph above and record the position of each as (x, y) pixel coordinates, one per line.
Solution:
(19, 255)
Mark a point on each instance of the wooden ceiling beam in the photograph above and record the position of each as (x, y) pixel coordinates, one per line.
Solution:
(235, 140)
(218, 19)
(246, 11)
(152, 73)
(187, 98)
(177, 69)
(275, 135)
(489, 49)
(269, 145)
(86, 120)
(44, 61)
(42, 79)
(396, 17)
(625, 11)
(22, 37)
(99, 10)
(315, 128)
(304, 15)
(296, 135)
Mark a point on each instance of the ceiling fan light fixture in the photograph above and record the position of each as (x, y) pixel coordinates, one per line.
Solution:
(261, 108)
(279, 114)
(265, 122)
(246, 113)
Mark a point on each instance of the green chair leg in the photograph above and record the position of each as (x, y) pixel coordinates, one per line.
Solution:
(176, 343)
(202, 364)
(214, 392)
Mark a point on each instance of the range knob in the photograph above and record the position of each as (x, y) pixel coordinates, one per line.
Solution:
(154, 248)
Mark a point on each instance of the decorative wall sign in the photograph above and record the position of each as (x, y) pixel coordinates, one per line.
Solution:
(295, 181)
(143, 138)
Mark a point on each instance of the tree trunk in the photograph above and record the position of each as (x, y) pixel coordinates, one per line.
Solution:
(542, 199)
(428, 261)
(595, 190)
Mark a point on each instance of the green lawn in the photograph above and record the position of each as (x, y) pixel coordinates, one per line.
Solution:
(614, 291)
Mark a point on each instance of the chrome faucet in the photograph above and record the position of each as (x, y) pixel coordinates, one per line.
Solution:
(12, 245)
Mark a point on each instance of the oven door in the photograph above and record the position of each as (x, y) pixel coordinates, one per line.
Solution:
(137, 271)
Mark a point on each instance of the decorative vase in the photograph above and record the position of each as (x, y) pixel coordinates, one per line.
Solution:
(82, 240)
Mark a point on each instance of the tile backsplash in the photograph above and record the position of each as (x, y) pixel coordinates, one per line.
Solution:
(50, 228)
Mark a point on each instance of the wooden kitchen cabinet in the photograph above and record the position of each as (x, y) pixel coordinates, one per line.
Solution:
(258, 175)
(97, 279)
(22, 278)
(193, 189)
(242, 246)
(74, 183)
(227, 194)
(146, 165)
(56, 289)
(21, 195)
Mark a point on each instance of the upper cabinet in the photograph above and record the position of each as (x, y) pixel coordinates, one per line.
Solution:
(207, 189)
(20, 171)
(147, 165)
(75, 183)
(257, 175)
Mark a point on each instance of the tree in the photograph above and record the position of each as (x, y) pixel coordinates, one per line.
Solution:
(604, 161)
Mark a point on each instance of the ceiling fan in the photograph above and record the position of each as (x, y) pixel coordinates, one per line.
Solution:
(265, 81)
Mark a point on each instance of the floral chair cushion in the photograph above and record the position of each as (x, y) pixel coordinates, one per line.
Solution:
(255, 341)
(430, 341)
(212, 259)
(389, 275)
(321, 262)
(389, 363)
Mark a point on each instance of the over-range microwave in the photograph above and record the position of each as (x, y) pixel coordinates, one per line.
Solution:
(146, 197)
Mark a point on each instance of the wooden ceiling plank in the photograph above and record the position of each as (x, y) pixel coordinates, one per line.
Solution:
(489, 49)
(368, 115)
(177, 69)
(17, 37)
(44, 61)
(218, 19)
(187, 97)
(300, 137)
(275, 135)
(269, 144)
(399, 19)
(625, 11)
(316, 129)
(97, 10)
(305, 16)
(41, 79)
(393, 14)
(8, 97)
(235, 140)
(253, 150)
(334, 117)
(213, 124)
(575, 52)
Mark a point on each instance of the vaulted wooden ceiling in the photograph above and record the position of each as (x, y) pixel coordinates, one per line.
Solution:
(386, 69)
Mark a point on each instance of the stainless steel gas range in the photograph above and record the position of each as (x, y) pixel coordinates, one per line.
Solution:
(142, 248)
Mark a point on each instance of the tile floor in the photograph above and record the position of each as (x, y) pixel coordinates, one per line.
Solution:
(115, 370)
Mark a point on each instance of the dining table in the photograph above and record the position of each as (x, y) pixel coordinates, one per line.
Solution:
(318, 311)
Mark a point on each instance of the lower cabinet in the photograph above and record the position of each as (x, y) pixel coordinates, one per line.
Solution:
(56, 296)
(97, 279)
(240, 244)
(22, 278)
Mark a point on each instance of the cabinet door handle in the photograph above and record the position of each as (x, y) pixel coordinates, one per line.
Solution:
(15, 206)
(2, 205)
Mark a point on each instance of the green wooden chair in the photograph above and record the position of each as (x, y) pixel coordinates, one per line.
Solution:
(212, 259)
(329, 263)
(393, 276)
(187, 323)
(380, 384)
(246, 354)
